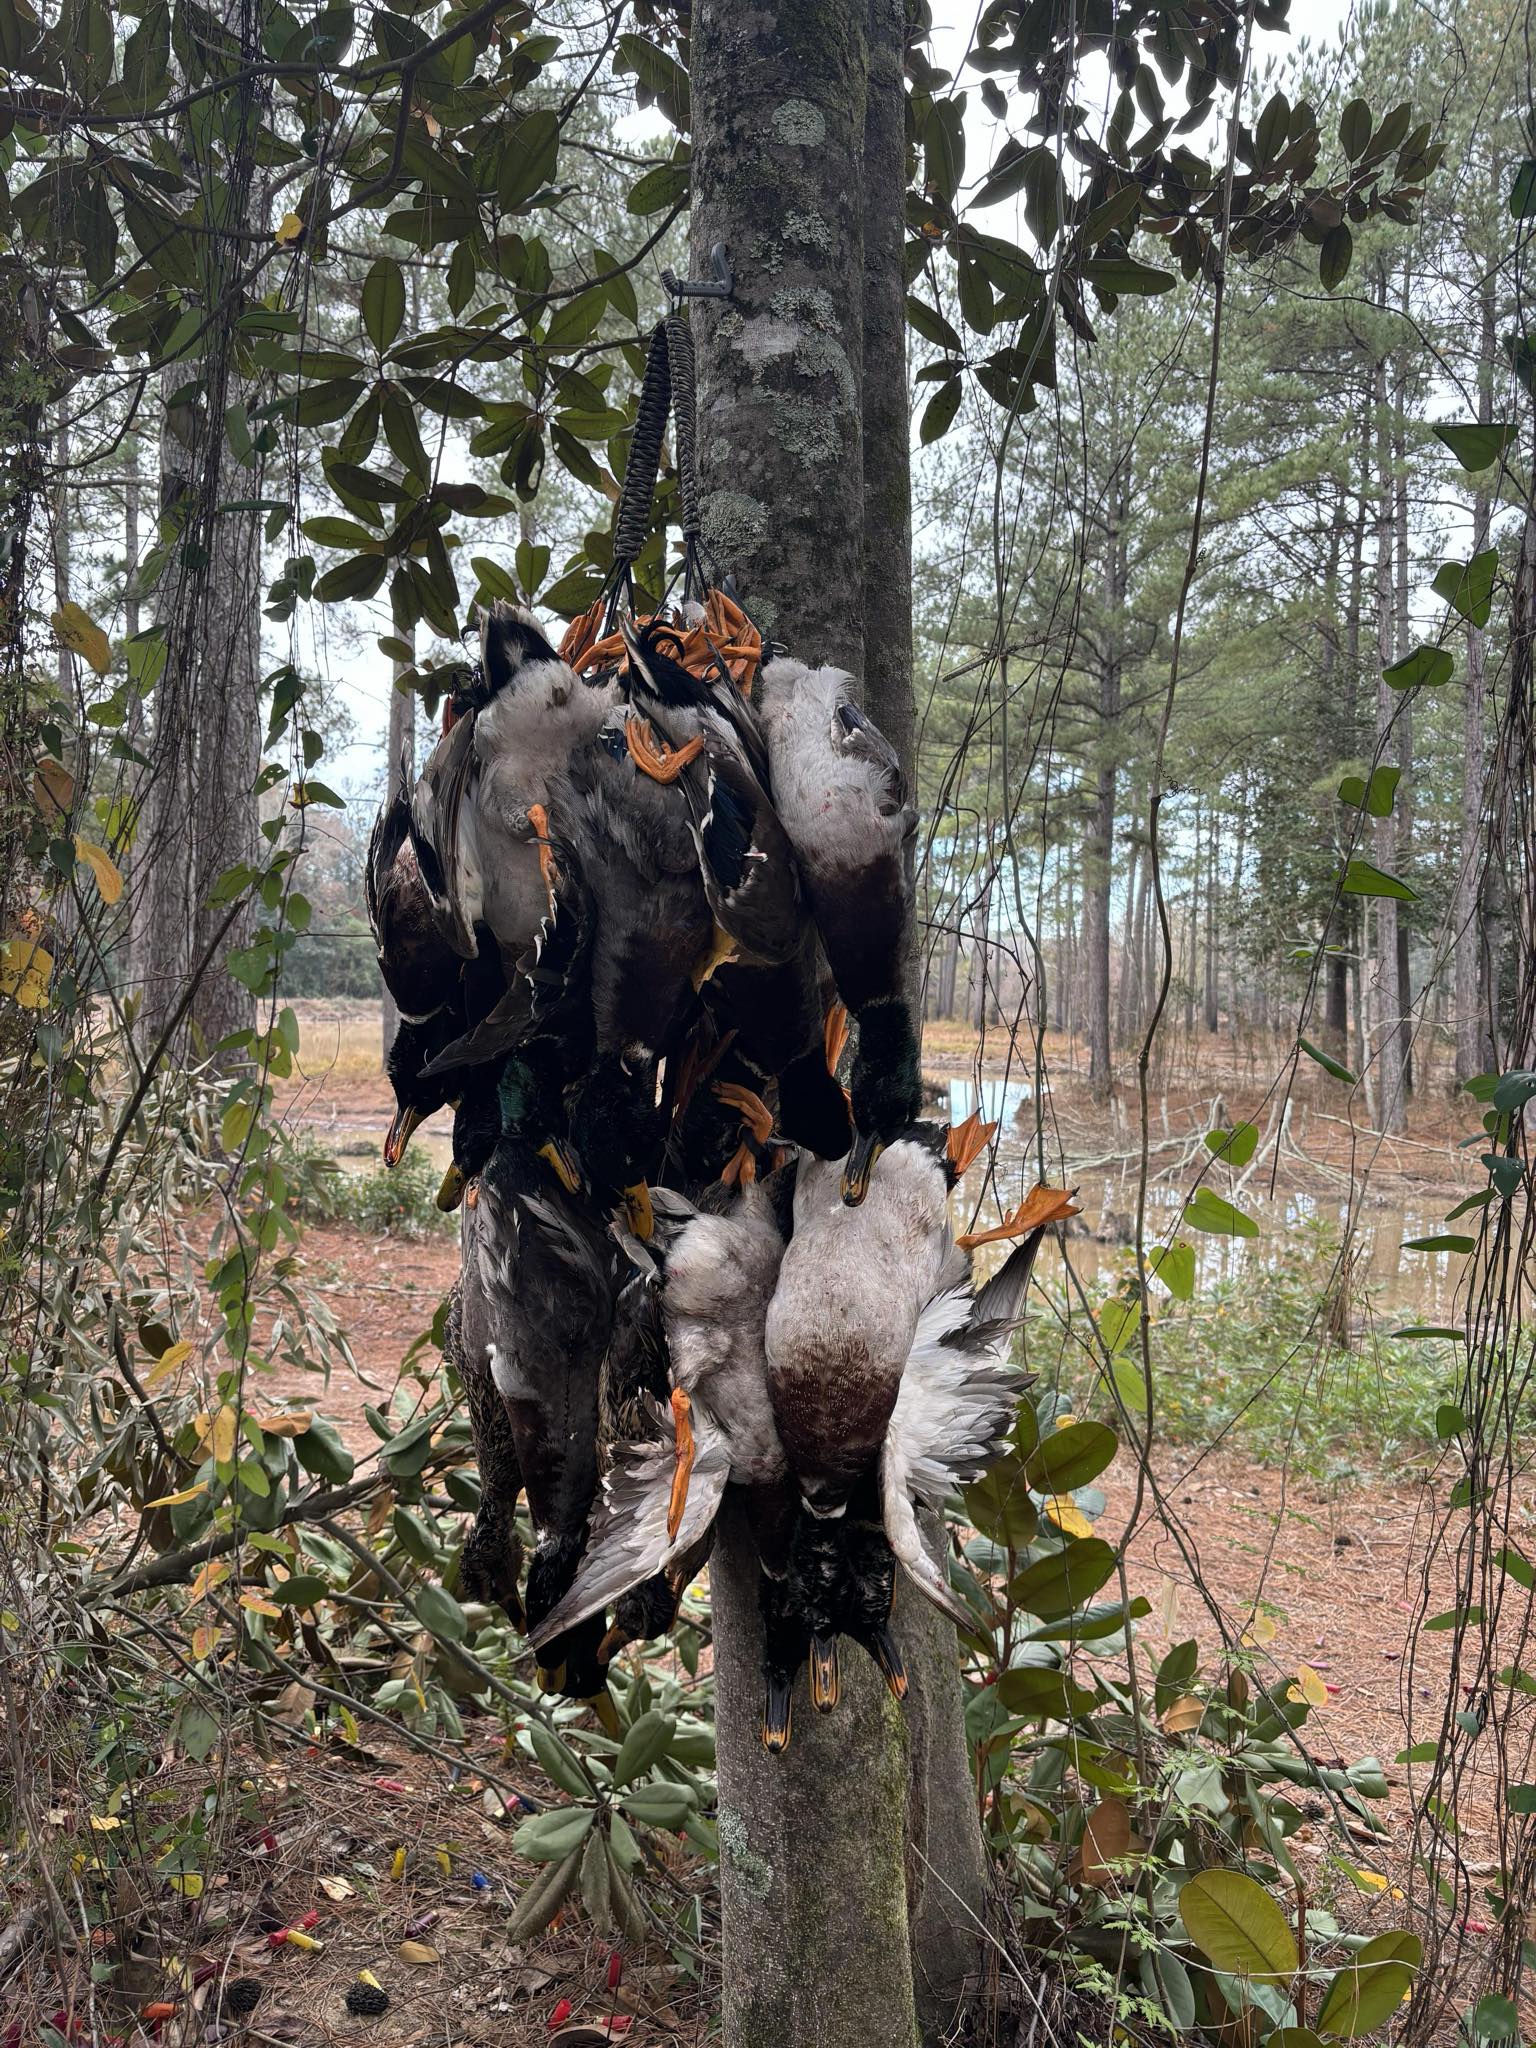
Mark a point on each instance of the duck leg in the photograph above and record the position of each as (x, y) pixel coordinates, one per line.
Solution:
(785, 1643)
(654, 758)
(682, 1422)
(825, 1685)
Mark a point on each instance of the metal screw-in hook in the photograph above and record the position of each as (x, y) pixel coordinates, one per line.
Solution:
(719, 287)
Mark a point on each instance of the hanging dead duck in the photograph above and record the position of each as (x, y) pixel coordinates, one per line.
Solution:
(842, 796)
(477, 809)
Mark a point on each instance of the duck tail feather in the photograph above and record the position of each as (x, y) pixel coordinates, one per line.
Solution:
(913, 1555)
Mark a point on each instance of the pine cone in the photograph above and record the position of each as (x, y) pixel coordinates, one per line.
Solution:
(367, 2001)
(242, 1995)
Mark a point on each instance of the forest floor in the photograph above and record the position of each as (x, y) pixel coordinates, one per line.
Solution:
(1318, 1572)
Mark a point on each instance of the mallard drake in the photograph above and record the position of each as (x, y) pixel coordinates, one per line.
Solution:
(418, 967)
(549, 1277)
(842, 796)
(623, 840)
(879, 1358)
(663, 1490)
(477, 812)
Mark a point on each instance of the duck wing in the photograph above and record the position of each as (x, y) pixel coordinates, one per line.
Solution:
(748, 865)
(628, 1542)
(442, 834)
(497, 1034)
(415, 960)
(956, 1404)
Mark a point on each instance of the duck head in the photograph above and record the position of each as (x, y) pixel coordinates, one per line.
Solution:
(885, 1092)
(417, 1097)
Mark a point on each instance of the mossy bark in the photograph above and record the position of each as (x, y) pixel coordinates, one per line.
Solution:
(852, 1877)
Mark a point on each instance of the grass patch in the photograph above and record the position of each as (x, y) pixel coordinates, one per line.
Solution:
(397, 1203)
(1260, 1364)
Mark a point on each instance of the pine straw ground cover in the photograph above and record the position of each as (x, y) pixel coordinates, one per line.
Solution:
(321, 1830)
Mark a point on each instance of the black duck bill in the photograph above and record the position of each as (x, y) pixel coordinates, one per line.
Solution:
(406, 1120)
(860, 1164)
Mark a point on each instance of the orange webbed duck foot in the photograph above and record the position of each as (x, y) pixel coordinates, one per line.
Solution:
(1041, 1207)
(653, 757)
(968, 1141)
(682, 1424)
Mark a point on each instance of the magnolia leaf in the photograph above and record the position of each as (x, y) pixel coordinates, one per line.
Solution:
(1369, 1989)
(1206, 1211)
(1184, 1716)
(78, 631)
(286, 1425)
(644, 1745)
(109, 882)
(1107, 1840)
(1054, 1585)
(1063, 1512)
(1442, 1241)
(26, 969)
(1235, 1922)
(421, 1953)
(1309, 1687)
(223, 1436)
(1071, 1457)
(288, 229)
(550, 1837)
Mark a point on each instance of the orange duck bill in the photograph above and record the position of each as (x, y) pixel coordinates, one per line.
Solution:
(1040, 1208)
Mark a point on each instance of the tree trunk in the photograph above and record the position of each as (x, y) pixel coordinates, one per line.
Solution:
(1387, 1046)
(1212, 999)
(836, 1857)
(199, 817)
(399, 776)
(1099, 846)
(1474, 1052)
(1403, 640)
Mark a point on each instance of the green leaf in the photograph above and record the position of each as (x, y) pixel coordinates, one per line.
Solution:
(1054, 1585)
(1426, 668)
(664, 186)
(1235, 1147)
(383, 302)
(1517, 1566)
(1208, 1212)
(323, 1454)
(1361, 879)
(645, 1744)
(1124, 275)
(1040, 1691)
(440, 1612)
(1071, 1457)
(1476, 447)
(1373, 797)
(1239, 1926)
(1454, 1617)
(1468, 586)
(1174, 1265)
(1522, 193)
(1327, 1062)
(1119, 1320)
(1335, 257)
(360, 577)
(925, 320)
(1494, 2019)
(1450, 1420)
(1369, 1989)
(528, 159)
(557, 1760)
(939, 412)
(944, 147)
(1522, 1799)
(999, 1506)
(1446, 1241)
(550, 1837)
(1355, 129)
(659, 1805)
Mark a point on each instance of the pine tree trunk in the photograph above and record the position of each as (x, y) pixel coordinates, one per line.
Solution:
(1387, 1040)
(1403, 640)
(399, 776)
(1099, 853)
(833, 1928)
(1474, 1052)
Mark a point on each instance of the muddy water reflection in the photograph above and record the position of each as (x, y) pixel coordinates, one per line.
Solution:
(1418, 1284)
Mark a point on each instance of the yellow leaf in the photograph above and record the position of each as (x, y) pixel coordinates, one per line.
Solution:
(221, 1438)
(174, 1500)
(205, 1639)
(348, 1720)
(1069, 1518)
(1368, 1880)
(1309, 1687)
(104, 1823)
(210, 1575)
(172, 1356)
(1065, 1421)
(1184, 1716)
(419, 1952)
(79, 632)
(26, 968)
(1264, 1630)
(286, 1425)
(53, 788)
(289, 229)
(109, 882)
(254, 1604)
(190, 1884)
(336, 1888)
